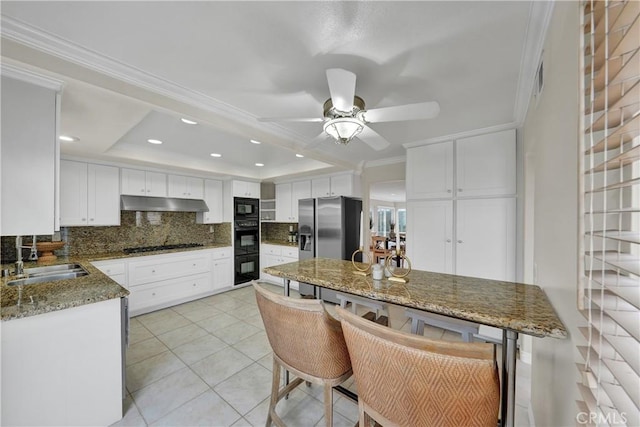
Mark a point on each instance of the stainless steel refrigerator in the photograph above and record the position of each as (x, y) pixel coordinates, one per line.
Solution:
(328, 227)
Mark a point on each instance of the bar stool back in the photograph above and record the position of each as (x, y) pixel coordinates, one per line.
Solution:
(308, 342)
(408, 380)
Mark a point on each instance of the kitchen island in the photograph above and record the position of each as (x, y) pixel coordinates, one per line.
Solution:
(513, 307)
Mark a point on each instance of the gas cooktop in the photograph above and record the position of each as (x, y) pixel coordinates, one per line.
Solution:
(160, 248)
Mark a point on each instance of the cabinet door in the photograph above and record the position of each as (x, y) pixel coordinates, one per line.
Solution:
(28, 162)
(342, 185)
(299, 190)
(321, 187)
(156, 184)
(177, 186)
(485, 238)
(132, 181)
(103, 195)
(73, 193)
(253, 190)
(283, 202)
(429, 240)
(213, 199)
(486, 165)
(195, 187)
(430, 171)
(222, 273)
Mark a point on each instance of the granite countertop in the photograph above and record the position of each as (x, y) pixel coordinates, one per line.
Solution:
(63, 294)
(506, 305)
(280, 243)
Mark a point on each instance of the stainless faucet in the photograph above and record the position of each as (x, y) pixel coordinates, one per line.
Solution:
(33, 255)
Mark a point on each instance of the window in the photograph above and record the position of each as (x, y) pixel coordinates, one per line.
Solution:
(383, 222)
(609, 290)
(402, 221)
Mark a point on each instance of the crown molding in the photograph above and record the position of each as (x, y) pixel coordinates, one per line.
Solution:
(460, 135)
(47, 43)
(8, 70)
(539, 18)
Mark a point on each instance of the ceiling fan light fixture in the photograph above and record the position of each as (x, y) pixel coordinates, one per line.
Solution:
(343, 129)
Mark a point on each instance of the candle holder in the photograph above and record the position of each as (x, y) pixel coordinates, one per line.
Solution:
(396, 277)
(361, 271)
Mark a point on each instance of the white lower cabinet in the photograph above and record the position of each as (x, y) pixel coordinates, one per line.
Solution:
(271, 255)
(159, 281)
(63, 368)
(470, 237)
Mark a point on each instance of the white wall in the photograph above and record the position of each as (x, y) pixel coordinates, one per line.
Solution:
(550, 136)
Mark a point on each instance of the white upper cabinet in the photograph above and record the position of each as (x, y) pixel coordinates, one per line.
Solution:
(214, 200)
(29, 158)
(483, 165)
(89, 194)
(143, 183)
(486, 165)
(185, 187)
(246, 189)
(287, 196)
(430, 243)
(336, 185)
(430, 171)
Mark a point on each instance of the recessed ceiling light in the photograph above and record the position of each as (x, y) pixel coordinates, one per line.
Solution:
(259, 164)
(154, 141)
(216, 155)
(67, 138)
(253, 141)
(189, 122)
(299, 156)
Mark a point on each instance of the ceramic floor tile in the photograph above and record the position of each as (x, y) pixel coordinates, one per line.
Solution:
(242, 423)
(221, 365)
(216, 322)
(199, 348)
(255, 320)
(183, 335)
(166, 324)
(246, 389)
(155, 316)
(338, 421)
(256, 346)
(244, 311)
(258, 415)
(168, 393)
(230, 305)
(236, 332)
(152, 369)
(144, 349)
(201, 313)
(137, 332)
(347, 408)
(267, 361)
(307, 413)
(131, 415)
(188, 306)
(208, 409)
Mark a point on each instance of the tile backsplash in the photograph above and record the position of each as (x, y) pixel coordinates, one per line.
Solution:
(136, 229)
(277, 231)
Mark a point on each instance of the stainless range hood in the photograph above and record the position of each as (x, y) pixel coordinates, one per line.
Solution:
(161, 204)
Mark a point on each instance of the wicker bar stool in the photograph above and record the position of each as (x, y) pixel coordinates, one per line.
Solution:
(408, 380)
(306, 341)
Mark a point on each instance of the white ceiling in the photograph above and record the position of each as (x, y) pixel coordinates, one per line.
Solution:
(132, 69)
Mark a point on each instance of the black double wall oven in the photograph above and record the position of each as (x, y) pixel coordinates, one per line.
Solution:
(246, 240)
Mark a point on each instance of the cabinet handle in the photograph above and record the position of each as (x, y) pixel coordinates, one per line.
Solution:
(148, 191)
(460, 190)
(448, 240)
(448, 191)
(142, 189)
(153, 294)
(153, 271)
(460, 241)
(84, 219)
(90, 219)
(194, 284)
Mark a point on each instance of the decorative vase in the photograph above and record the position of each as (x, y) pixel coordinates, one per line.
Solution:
(392, 233)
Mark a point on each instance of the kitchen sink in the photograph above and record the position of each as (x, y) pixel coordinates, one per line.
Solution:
(52, 269)
(49, 274)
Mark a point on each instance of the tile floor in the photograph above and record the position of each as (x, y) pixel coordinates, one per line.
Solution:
(208, 363)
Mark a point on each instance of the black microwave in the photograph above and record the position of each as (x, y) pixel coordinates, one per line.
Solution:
(246, 208)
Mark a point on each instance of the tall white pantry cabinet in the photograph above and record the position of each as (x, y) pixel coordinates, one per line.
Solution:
(461, 206)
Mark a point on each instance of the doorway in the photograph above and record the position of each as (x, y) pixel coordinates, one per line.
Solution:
(388, 214)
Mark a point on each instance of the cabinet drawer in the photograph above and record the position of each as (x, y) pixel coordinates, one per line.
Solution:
(271, 250)
(148, 271)
(154, 294)
(290, 252)
(222, 253)
(110, 268)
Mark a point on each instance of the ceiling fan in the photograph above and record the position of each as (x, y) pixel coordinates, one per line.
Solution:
(345, 116)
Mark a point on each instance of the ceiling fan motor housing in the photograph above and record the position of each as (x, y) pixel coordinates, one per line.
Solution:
(330, 112)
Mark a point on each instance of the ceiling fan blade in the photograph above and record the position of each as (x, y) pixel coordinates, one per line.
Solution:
(291, 119)
(419, 111)
(342, 86)
(373, 139)
(322, 137)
